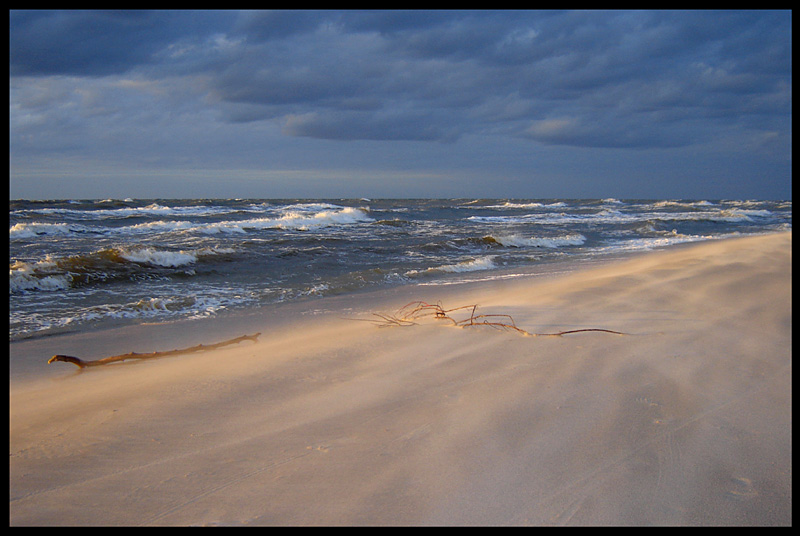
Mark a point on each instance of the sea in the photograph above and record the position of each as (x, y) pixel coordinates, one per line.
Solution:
(81, 265)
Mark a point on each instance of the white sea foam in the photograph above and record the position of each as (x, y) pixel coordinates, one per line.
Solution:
(514, 240)
(747, 213)
(481, 263)
(159, 227)
(19, 281)
(310, 207)
(615, 216)
(168, 258)
(159, 257)
(164, 307)
(512, 205)
(151, 210)
(306, 216)
(42, 275)
(668, 239)
(670, 203)
(324, 218)
(22, 231)
(473, 279)
(53, 273)
(471, 265)
(295, 217)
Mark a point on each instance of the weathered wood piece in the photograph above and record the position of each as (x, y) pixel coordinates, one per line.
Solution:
(80, 363)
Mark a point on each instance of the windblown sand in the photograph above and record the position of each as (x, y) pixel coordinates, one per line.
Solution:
(327, 420)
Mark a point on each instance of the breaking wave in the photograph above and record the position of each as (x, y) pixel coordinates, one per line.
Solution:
(518, 241)
(469, 265)
(105, 265)
(294, 217)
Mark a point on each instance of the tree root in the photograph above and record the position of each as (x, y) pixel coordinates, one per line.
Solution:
(411, 312)
(80, 363)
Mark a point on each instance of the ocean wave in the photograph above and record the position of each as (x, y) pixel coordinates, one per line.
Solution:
(105, 265)
(728, 215)
(517, 241)
(613, 216)
(469, 265)
(25, 281)
(295, 217)
(198, 306)
(639, 244)
(524, 218)
(310, 207)
(147, 308)
(671, 203)
(169, 226)
(298, 219)
(512, 205)
(747, 213)
(123, 210)
(323, 218)
(172, 259)
(24, 231)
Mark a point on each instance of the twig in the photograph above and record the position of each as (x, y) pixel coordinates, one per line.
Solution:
(409, 313)
(560, 333)
(80, 363)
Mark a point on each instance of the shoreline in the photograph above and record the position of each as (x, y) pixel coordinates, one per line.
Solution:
(93, 343)
(160, 336)
(328, 421)
(400, 241)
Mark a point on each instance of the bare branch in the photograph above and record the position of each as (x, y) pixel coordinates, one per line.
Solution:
(409, 313)
(80, 363)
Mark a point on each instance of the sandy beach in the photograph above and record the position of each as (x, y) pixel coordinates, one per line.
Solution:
(686, 419)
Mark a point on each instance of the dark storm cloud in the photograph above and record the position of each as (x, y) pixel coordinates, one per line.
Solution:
(609, 79)
(576, 78)
(591, 79)
(97, 43)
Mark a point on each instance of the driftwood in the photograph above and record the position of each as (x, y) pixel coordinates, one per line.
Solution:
(80, 363)
(409, 314)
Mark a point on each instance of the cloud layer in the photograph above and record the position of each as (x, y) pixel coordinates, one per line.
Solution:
(609, 80)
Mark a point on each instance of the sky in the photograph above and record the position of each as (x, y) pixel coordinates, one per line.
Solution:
(400, 104)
